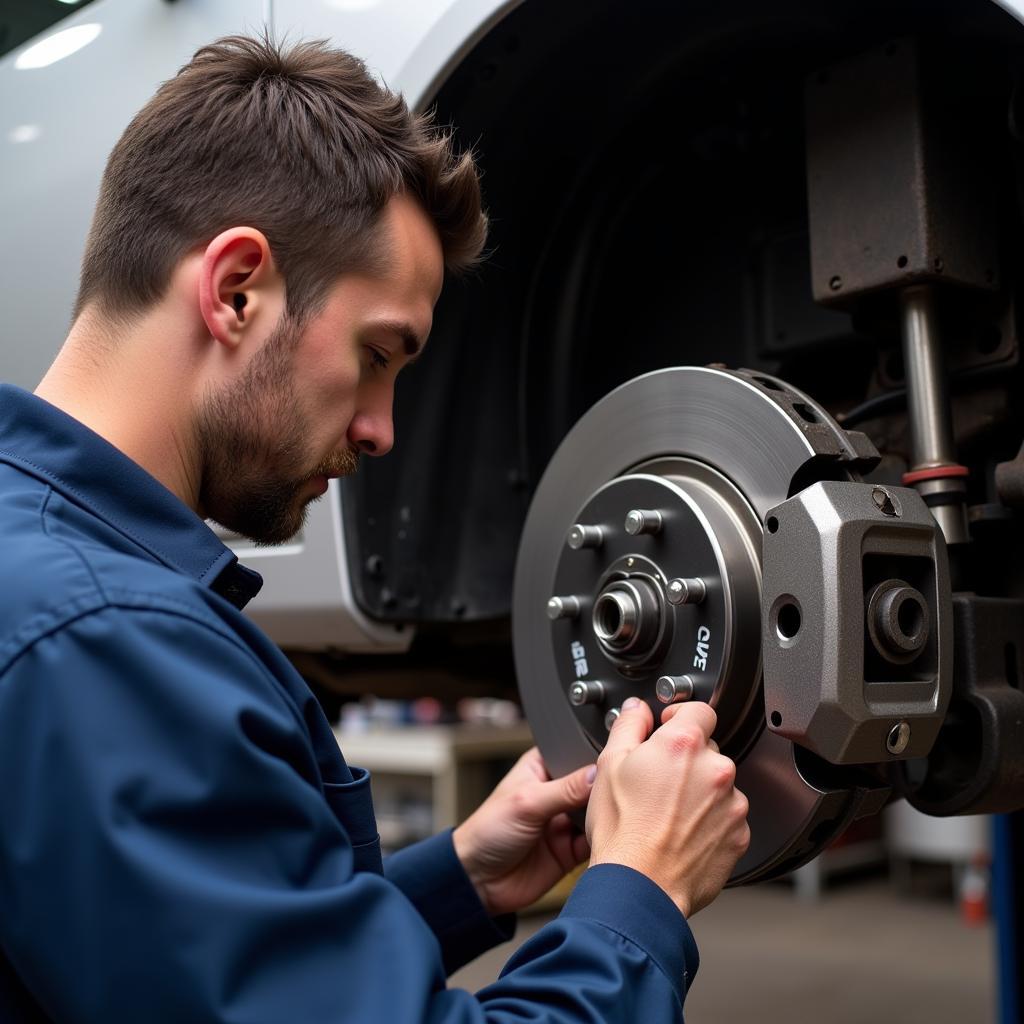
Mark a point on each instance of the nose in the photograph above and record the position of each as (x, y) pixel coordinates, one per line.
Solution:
(372, 430)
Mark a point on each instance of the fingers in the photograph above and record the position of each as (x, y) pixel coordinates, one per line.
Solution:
(566, 842)
(532, 763)
(631, 728)
(696, 713)
(564, 794)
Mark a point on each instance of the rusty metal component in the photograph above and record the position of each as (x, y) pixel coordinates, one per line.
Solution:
(897, 186)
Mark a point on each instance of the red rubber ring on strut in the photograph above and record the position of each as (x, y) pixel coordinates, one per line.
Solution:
(935, 473)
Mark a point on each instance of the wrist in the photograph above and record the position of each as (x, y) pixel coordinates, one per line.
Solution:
(465, 851)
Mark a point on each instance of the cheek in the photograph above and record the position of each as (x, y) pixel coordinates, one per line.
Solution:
(336, 402)
(332, 376)
(343, 371)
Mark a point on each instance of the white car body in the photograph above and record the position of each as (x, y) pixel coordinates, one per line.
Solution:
(58, 124)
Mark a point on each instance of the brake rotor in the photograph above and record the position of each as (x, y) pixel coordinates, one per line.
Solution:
(639, 574)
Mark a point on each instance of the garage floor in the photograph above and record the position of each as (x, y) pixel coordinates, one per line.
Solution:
(861, 954)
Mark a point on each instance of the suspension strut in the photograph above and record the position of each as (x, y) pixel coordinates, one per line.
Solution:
(934, 471)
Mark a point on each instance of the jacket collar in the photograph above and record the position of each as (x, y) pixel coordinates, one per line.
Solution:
(42, 440)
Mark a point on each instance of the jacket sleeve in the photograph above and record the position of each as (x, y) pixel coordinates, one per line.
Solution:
(434, 881)
(166, 854)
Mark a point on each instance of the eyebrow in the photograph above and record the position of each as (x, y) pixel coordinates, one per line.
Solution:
(410, 339)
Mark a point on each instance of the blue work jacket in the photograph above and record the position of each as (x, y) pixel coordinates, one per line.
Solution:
(180, 837)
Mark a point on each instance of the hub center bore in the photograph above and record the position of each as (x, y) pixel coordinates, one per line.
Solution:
(627, 617)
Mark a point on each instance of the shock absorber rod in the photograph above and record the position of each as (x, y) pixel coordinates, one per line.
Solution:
(934, 470)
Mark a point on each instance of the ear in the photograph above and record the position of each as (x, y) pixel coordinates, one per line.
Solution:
(240, 291)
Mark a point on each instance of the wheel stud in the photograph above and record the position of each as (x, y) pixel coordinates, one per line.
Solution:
(643, 520)
(563, 608)
(581, 536)
(686, 591)
(673, 689)
(585, 691)
(609, 719)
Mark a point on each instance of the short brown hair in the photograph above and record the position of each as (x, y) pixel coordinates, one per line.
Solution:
(299, 142)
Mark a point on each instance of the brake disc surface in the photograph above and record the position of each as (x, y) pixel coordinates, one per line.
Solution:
(639, 575)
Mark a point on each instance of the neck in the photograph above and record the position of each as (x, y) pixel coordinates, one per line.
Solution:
(126, 383)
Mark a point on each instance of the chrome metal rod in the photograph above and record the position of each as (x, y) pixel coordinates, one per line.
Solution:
(927, 399)
(928, 408)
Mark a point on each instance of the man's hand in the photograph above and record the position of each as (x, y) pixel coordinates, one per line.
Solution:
(667, 806)
(520, 841)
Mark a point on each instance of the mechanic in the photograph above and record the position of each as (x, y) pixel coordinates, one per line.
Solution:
(180, 837)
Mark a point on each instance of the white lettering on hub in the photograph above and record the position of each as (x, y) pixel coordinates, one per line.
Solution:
(700, 659)
(579, 659)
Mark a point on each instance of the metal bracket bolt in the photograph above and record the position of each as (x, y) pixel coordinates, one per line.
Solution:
(883, 502)
(899, 738)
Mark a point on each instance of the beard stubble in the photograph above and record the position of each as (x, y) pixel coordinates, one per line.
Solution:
(251, 438)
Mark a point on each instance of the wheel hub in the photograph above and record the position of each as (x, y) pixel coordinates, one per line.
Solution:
(667, 588)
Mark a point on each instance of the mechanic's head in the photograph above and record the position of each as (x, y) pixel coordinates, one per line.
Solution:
(303, 217)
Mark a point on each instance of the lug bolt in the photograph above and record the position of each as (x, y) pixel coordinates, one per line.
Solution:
(585, 691)
(643, 520)
(581, 536)
(609, 719)
(563, 608)
(899, 738)
(673, 689)
(686, 591)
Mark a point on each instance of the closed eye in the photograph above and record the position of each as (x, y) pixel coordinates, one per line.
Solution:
(378, 360)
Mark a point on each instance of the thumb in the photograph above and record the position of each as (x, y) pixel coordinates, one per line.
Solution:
(631, 728)
(564, 794)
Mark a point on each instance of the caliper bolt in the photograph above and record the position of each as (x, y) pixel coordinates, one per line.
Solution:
(883, 502)
(686, 591)
(585, 691)
(581, 536)
(643, 520)
(672, 689)
(898, 738)
(563, 608)
(609, 719)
